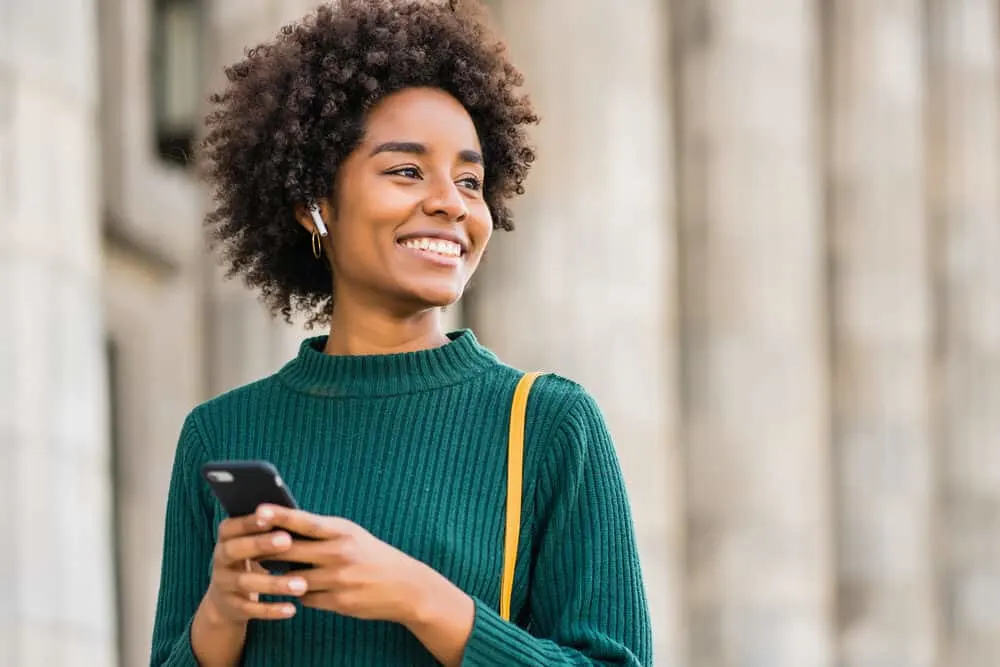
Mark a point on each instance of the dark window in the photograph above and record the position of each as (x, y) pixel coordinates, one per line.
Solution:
(114, 415)
(177, 82)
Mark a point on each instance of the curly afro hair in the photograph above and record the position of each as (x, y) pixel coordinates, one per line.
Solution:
(295, 108)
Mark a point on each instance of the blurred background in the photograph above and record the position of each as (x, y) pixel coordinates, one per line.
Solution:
(764, 233)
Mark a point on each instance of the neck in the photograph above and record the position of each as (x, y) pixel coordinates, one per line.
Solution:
(359, 331)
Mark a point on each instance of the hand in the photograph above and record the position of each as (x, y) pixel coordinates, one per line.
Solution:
(355, 573)
(237, 580)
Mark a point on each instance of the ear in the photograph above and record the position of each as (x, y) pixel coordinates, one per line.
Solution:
(304, 216)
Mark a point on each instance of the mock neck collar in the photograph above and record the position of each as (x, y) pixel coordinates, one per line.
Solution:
(317, 373)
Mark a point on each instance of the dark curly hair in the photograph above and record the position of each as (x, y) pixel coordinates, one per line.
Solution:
(295, 108)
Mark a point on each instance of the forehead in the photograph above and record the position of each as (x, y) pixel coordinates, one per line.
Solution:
(425, 115)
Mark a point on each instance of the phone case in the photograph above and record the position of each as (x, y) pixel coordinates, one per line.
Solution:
(241, 486)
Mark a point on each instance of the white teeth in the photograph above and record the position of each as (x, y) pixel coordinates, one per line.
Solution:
(438, 246)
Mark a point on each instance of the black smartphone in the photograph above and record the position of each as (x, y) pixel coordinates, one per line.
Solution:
(241, 486)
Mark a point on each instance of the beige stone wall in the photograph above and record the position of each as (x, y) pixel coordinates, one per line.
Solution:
(763, 234)
(755, 381)
(152, 392)
(964, 164)
(56, 570)
(153, 303)
(882, 326)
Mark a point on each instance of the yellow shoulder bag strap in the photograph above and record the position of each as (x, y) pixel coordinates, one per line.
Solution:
(515, 475)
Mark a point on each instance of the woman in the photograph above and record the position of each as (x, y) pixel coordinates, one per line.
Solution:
(360, 164)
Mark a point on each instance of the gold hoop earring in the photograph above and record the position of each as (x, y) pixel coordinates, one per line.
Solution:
(317, 245)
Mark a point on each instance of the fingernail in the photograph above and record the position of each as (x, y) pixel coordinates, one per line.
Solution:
(281, 540)
(297, 585)
(288, 610)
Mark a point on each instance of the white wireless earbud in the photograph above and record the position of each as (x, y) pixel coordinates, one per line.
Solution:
(317, 219)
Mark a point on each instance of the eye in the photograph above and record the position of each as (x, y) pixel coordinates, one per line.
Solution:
(405, 172)
(471, 182)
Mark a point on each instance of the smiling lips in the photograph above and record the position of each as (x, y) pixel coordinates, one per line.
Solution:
(440, 247)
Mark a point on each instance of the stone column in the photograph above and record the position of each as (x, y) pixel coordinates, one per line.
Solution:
(56, 580)
(755, 370)
(585, 285)
(965, 206)
(882, 338)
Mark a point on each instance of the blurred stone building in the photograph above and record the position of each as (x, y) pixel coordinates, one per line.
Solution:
(765, 234)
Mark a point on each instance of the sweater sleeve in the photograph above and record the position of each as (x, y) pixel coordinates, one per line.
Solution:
(187, 552)
(587, 601)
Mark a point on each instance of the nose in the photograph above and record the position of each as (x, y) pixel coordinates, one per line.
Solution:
(445, 201)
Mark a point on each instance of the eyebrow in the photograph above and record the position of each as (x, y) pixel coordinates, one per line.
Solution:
(414, 148)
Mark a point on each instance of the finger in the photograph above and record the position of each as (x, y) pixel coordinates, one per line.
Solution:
(253, 547)
(342, 602)
(305, 523)
(254, 566)
(318, 552)
(248, 583)
(250, 609)
(239, 526)
(323, 579)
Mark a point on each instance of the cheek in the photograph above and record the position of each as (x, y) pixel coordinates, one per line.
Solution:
(481, 230)
(352, 244)
(368, 226)
(357, 249)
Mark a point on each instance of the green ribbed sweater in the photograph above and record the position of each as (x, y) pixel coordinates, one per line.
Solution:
(413, 447)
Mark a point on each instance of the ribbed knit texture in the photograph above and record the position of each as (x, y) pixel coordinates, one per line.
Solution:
(413, 447)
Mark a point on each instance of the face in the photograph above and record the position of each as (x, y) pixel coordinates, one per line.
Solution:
(409, 224)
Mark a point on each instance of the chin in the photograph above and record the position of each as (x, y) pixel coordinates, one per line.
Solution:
(427, 296)
(440, 300)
